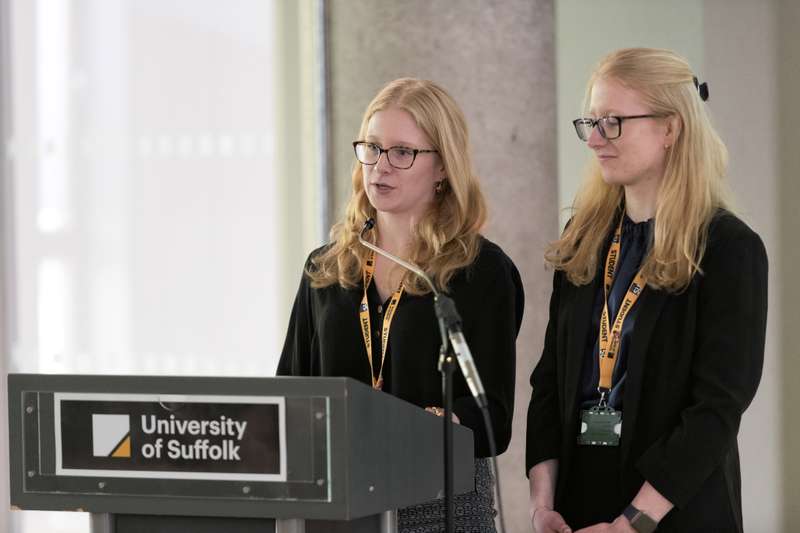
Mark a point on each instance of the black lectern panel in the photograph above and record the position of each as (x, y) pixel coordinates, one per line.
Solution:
(316, 448)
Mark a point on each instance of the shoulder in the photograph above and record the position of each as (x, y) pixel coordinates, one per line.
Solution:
(316, 253)
(493, 268)
(729, 236)
(492, 258)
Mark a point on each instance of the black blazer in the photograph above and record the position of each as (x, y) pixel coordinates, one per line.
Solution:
(694, 366)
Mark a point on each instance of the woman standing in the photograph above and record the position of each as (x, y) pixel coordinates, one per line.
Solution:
(414, 177)
(655, 342)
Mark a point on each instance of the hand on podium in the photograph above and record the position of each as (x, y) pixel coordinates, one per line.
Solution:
(438, 411)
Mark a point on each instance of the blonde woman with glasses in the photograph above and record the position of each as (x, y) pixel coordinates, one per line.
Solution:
(655, 342)
(413, 175)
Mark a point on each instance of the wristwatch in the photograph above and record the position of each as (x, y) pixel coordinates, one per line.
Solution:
(639, 520)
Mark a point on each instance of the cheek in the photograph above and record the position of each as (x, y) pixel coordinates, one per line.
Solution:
(425, 181)
(655, 157)
(642, 155)
(365, 170)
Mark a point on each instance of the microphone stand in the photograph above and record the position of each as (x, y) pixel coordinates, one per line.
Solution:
(446, 316)
(446, 367)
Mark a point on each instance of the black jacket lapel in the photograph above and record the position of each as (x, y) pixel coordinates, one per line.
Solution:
(580, 321)
(651, 302)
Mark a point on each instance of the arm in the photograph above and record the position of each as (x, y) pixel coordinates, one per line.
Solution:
(726, 369)
(497, 307)
(542, 480)
(295, 357)
(544, 430)
(544, 519)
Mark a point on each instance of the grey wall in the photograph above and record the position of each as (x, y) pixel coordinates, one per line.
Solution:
(497, 60)
(786, 16)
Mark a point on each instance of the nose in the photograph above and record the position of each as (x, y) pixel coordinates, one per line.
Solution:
(596, 140)
(382, 164)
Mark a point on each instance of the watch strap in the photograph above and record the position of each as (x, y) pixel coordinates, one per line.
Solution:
(639, 520)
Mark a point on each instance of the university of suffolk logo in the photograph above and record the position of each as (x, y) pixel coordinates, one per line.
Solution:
(111, 436)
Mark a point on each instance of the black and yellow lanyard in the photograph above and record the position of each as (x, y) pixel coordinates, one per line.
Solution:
(366, 328)
(609, 337)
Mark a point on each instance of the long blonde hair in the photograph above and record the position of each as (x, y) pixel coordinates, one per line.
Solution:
(691, 190)
(447, 236)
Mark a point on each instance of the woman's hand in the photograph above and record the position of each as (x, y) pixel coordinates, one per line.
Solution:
(620, 525)
(438, 411)
(546, 520)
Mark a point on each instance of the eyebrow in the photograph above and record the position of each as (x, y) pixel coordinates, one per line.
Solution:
(404, 144)
(605, 113)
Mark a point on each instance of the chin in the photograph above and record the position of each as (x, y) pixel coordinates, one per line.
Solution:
(612, 178)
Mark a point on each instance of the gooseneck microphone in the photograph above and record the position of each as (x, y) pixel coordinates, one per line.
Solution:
(447, 314)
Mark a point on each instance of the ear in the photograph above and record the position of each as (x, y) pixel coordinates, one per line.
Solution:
(674, 127)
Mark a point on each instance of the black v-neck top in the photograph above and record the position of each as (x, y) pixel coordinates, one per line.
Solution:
(324, 339)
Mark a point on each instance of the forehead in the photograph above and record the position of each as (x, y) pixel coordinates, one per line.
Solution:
(394, 126)
(609, 97)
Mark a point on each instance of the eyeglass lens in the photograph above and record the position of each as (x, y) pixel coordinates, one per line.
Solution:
(399, 157)
(608, 127)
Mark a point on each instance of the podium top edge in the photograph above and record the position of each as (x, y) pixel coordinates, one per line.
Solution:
(120, 383)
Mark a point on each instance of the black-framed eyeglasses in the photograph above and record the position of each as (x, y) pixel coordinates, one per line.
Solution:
(400, 157)
(610, 127)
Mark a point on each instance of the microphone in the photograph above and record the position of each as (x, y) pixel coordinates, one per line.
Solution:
(446, 313)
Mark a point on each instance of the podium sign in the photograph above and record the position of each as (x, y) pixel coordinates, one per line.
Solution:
(185, 437)
(319, 449)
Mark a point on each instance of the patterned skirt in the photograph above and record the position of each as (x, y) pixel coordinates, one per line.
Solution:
(474, 511)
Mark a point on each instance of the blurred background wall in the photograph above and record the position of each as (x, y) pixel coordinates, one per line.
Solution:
(167, 165)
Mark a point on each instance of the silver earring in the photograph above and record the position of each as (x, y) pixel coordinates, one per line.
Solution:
(439, 187)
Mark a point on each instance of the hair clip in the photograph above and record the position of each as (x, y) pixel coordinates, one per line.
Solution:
(702, 88)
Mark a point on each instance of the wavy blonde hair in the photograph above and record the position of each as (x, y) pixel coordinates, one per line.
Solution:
(447, 237)
(692, 188)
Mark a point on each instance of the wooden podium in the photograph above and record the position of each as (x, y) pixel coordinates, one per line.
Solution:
(235, 455)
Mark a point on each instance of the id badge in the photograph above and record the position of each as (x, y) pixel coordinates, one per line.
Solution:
(600, 426)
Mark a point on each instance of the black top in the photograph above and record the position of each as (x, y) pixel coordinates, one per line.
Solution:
(324, 339)
(634, 244)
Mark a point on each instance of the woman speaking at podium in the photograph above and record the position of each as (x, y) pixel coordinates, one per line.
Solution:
(357, 314)
(657, 322)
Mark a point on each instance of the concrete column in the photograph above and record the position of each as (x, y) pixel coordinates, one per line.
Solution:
(788, 231)
(497, 60)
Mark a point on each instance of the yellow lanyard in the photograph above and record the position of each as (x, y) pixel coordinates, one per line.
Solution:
(609, 343)
(366, 328)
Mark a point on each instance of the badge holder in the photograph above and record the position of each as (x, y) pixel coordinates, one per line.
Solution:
(601, 425)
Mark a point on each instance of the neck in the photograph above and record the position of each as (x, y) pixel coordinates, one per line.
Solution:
(394, 232)
(640, 200)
